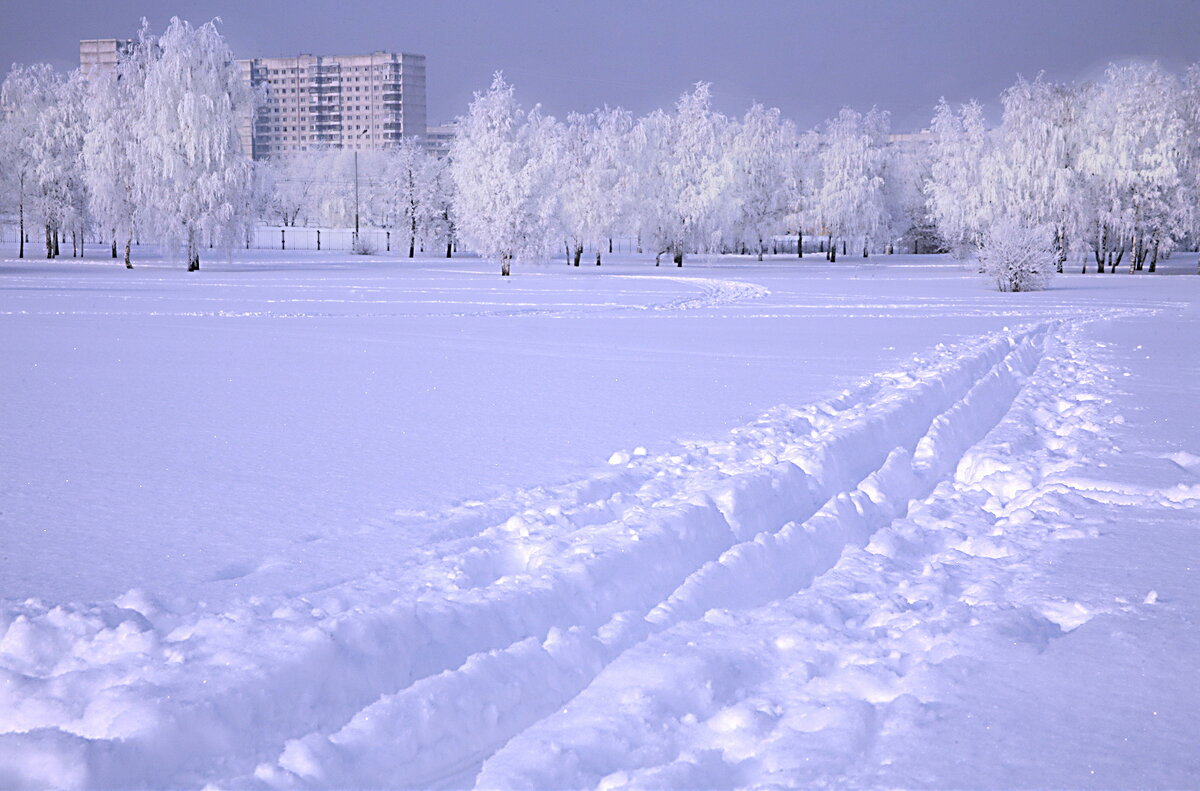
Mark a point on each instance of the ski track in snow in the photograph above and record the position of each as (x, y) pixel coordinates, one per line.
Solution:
(850, 541)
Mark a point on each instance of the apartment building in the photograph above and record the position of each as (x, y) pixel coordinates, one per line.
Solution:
(438, 139)
(340, 101)
(100, 55)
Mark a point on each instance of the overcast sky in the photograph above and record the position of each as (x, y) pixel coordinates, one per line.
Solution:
(807, 58)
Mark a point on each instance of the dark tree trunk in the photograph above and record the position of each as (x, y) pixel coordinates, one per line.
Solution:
(832, 250)
(577, 254)
(282, 239)
(128, 243)
(678, 257)
(610, 245)
(114, 249)
(49, 244)
(1154, 257)
(597, 256)
(505, 265)
(843, 247)
(57, 249)
(799, 244)
(449, 248)
(412, 247)
(318, 240)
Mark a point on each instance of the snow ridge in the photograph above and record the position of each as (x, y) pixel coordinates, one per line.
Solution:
(415, 680)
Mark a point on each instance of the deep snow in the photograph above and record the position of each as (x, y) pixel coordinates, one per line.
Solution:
(302, 519)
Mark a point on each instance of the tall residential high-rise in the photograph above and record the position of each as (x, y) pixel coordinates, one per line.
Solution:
(340, 101)
(98, 55)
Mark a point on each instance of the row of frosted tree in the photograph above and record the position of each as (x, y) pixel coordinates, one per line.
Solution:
(1107, 172)
(151, 150)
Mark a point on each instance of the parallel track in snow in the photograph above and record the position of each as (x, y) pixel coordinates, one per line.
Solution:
(530, 601)
(520, 608)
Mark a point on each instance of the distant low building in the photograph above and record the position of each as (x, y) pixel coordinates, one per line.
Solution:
(339, 101)
(438, 139)
(101, 55)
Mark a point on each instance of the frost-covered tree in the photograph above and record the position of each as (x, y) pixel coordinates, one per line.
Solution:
(408, 181)
(192, 177)
(681, 175)
(1131, 161)
(955, 190)
(1017, 255)
(1031, 171)
(802, 185)
(757, 163)
(58, 150)
(908, 171)
(853, 157)
(1191, 154)
(291, 186)
(27, 94)
(502, 164)
(110, 151)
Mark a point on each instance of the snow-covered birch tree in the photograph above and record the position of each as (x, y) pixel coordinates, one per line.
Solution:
(757, 175)
(851, 199)
(501, 164)
(191, 176)
(27, 93)
(955, 191)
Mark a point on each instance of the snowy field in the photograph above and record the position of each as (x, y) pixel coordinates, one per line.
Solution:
(307, 520)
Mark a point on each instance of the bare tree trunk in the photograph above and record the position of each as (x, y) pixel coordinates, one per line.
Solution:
(449, 248)
(21, 210)
(799, 244)
(597, 255)
(658, 257)
(578, 254)
(678, 257)
(193, 252)
(49, 243)
(843, 247)
(505, 265)
(832, 251)
(57, 249)
(128, 243)
(865, 247)
(610, 245)
(567, 245)
(114, 247)
(1154, 255)
(760, 248)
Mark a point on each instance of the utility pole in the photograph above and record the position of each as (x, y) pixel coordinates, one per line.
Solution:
(356, 139)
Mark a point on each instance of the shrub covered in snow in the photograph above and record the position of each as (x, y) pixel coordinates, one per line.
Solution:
(1018, 256)
(362, 245)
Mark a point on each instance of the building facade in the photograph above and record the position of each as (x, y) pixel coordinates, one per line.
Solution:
(356, 102)
(100, 55)
(439, 139)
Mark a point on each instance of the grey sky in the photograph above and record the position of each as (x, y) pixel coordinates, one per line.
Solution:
(807, 58)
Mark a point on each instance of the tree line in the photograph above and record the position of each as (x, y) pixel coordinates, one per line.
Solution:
(1104, 172)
